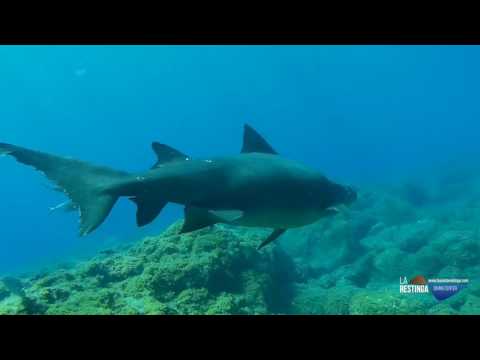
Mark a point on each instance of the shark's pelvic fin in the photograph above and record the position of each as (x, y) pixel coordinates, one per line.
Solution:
(197, 218)
(227, 216)
(273, 236)
(147, 210)
(254, 142)
(166, 154)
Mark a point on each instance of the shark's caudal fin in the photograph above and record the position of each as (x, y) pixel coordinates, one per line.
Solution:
(86, 185)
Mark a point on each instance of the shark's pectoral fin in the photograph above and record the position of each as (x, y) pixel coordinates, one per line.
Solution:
(273, 236)
(254, 142)
(199, 218)
(147, 210)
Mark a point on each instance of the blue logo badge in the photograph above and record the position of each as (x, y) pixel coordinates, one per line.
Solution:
(442, 289)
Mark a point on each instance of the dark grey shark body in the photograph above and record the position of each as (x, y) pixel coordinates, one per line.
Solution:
(255, 188)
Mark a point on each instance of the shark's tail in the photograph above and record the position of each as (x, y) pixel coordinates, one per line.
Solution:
(89, 187)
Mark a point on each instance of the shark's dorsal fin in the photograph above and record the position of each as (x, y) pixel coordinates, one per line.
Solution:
(254, 142)
(166, 154)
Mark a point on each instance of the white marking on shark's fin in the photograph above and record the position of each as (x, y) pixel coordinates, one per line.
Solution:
(227, 215)
(59, 206)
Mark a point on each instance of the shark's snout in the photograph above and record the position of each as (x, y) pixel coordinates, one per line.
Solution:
(341, 194)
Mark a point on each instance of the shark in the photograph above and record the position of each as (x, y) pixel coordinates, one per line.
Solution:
(255, 188)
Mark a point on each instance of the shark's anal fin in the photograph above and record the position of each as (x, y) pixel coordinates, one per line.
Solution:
(147, 209)
(166, 154)
(273, 236)
(254, 142)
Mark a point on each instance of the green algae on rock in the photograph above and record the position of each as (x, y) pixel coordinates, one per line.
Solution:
(217, 271)
(386, 302)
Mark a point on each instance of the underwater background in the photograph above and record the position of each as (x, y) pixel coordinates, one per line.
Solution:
(399, 123)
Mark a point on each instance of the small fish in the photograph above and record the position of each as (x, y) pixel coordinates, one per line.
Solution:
(67, 206)
(80, 72)
(107, 252)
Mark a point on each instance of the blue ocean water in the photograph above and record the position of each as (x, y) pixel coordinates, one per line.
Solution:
(360, 114)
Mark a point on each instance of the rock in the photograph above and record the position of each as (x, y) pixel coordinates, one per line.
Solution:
(13, 305)
(450, 272)
(412, 237)
(314, 298)
(4, 291)
(214, 271)
(462, 254)
(390, 264)
(471, 305)
(386, 302)
(442, 309)
(416, 194)
(392, 210)
(346, 264)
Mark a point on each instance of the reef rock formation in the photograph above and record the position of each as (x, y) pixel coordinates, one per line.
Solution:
(215, 271)
(347, 264)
